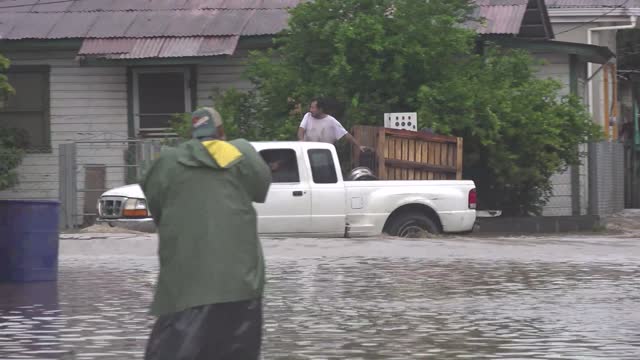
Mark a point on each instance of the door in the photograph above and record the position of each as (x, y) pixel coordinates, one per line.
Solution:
(158, 95)
(328, 200)
(288, 206)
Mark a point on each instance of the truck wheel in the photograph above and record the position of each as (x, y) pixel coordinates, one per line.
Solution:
(412, 225)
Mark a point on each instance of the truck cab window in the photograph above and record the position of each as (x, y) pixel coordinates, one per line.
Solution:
(323, 168)
(283, 164)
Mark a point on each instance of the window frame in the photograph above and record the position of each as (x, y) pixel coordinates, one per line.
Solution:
(332, 165)
(295, 159)
(135, 72)
(45, 70)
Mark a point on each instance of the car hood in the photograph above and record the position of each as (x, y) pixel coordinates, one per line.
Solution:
(130, 191)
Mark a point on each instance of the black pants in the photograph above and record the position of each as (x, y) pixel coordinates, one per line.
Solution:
(228, 331)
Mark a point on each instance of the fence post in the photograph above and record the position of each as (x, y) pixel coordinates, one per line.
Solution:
(575, 186)
(382, 165)
(593, 179)
(68, 185)
(459, 158)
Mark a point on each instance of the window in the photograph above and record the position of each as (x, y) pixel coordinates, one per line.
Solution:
(159, 94)
(323, 169)
(28, 108)
(283, 164)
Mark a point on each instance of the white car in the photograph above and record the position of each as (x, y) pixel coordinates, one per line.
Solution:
(308, 197)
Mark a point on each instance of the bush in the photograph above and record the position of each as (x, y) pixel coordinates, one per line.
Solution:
(12, 141)
(518, 130)
(377, 56)
(12, 145)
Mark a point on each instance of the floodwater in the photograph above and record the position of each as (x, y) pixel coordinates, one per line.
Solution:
(448, 298)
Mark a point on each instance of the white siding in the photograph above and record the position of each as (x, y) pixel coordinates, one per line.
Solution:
(571, 32)
(223, 74)
(85, 103)
(556, 66)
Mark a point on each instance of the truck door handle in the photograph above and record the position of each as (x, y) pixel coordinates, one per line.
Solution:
(297, 193)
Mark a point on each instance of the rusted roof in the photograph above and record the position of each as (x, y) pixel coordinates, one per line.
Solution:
(140, 5)
(167, 28)
(625, 4)
(500, 19)
(163, 47)
(155, 23)
(507, 17)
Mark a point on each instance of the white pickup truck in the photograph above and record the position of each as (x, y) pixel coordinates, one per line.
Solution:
(308, 197)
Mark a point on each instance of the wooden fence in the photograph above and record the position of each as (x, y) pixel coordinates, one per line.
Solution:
(408, 155)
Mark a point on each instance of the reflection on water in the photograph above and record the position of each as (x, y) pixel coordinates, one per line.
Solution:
(337, 307)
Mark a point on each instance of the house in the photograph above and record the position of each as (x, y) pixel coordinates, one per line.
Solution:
(558, 33)
(532, 25)
(101, 74)
(608, 97)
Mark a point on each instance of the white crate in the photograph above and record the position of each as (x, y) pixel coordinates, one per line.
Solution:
(402, 121)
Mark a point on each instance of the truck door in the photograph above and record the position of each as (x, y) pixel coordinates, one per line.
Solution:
(288, 206)
(328, 193)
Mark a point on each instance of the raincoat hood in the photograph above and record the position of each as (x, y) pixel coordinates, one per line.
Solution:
(216, 154)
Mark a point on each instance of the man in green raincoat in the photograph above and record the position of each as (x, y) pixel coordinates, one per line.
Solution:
(209, 293)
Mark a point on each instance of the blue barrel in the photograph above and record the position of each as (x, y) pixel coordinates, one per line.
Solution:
(29, 240)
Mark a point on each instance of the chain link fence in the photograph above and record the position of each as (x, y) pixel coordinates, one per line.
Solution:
(89, 168)
(606, 178)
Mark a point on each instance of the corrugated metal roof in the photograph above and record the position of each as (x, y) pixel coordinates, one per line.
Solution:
(218, 45)
(499, 19)
(106, 46)
(32, 25)
(167, 28)
(143, 48)
(141, 5)
(72, 25)
(593, 4)
(142, 24)
(500, 2)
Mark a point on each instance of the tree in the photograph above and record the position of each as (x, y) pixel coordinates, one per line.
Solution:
(518, 130)
(377, 56)
(12, 141)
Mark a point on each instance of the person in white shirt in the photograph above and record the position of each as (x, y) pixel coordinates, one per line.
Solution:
(317, 126)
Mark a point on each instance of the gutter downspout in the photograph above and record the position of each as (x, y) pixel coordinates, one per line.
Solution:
(633, 22)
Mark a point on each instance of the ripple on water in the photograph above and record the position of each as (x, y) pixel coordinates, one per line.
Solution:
(367, 308)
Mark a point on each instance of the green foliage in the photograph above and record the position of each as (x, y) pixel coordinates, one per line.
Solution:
(518, 130)
(181, 125)
(242, 119)
(12, 143)
(369, 56)
(5, 87)
(375, 56)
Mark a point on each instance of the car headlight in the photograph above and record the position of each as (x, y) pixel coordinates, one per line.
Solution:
(135, 208)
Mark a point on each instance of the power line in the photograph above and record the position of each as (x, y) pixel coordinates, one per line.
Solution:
(41, 3)
(594, 19)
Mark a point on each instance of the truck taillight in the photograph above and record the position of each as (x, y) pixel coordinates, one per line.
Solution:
(473, 199)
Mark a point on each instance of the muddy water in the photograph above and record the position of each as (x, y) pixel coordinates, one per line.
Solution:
(379, 299)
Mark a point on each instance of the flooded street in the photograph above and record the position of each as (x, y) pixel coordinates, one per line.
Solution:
(450, 298)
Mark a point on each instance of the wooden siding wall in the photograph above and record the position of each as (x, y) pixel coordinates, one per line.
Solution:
(87, 103)
(221, 73)
(556, 66)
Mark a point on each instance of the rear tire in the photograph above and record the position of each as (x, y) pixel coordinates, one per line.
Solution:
(412, 225)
